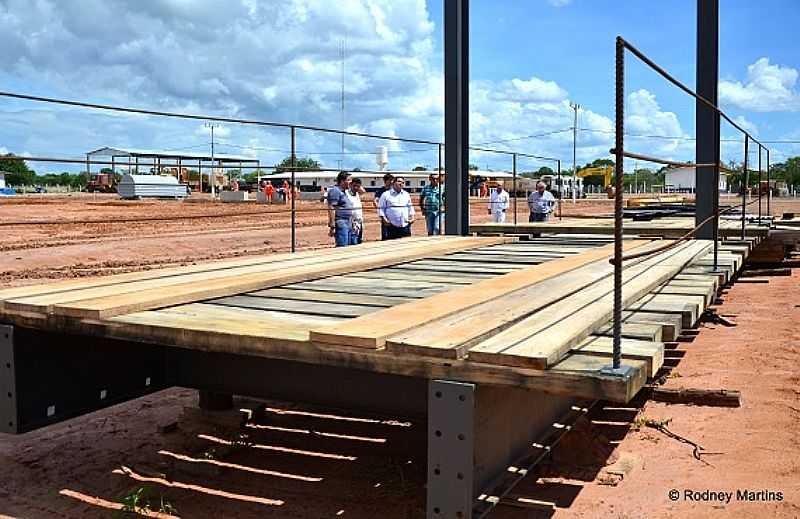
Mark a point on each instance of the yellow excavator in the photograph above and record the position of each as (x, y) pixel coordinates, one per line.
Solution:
(600, 171)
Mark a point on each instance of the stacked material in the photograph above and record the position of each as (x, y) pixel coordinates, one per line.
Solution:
(151, 186)
(531, 313)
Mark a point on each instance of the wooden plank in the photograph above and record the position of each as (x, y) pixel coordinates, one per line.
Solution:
(117, 280)
(492, 259)
(542, 339)
(451, 268)
(373, 331)
(375, 290)
(296, 307)
(202, 317)
(329, 297)
(640, 331)
(671, 324)
(707, 293)
(103, 307)
(688, 312)
(650, 352)
(43, 303)
(389, 273)
(709, 397)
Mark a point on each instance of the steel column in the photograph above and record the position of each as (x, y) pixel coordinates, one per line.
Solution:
(456, 114)
(707, 119)
(441, 189)
(8, 386)
(451, 442)
(514, 183)
(291, 190)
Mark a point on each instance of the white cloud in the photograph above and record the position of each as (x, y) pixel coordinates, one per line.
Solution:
(644, 116)
(767, 88)
(274, 61)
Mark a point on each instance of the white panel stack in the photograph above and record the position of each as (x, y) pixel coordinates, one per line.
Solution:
(151, 186)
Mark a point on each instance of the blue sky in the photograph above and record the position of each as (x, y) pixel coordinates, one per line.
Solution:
(279, 61)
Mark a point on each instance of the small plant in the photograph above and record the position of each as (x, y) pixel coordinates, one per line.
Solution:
(138, 501)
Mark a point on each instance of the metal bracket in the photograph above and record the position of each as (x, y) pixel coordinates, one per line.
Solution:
(8, 386)
(451, 441)
(623, 371)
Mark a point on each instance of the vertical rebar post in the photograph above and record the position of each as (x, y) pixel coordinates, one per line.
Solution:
(744, 181)
(618, 172)
(514, 184)
(560, 189)
(769, 187)
(291, 188)
(759, 184)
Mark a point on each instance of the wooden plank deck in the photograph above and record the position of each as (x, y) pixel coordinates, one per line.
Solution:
(424, 307)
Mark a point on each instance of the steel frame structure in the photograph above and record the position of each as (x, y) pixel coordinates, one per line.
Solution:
(474, 432)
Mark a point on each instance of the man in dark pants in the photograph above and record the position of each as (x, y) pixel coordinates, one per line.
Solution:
(396, 210)
(388, 178)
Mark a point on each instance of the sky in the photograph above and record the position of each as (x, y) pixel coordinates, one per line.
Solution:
(282, 62)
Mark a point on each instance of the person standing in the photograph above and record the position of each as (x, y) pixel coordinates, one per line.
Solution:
(340, 211)
(388, 178)
(541, 203)
(269, 191)
(498, 204)
(354, 195)
(396, 210)
(431, 202)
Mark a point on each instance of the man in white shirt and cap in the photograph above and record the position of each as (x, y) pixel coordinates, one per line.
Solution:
(396, 210)
(541, 203)
(498, 204)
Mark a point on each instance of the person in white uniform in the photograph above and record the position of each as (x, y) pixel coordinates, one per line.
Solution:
(498, 204)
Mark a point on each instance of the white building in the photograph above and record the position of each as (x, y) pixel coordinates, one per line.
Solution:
(683, 180)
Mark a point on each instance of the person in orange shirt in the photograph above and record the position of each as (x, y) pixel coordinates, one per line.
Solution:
(269, 191)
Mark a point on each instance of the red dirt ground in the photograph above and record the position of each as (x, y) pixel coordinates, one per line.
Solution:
(67, 470)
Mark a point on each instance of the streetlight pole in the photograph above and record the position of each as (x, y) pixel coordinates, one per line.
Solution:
(575, 107)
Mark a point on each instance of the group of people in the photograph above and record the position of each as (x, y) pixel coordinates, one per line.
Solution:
(392, 202)
(541, 204)
(285, 192)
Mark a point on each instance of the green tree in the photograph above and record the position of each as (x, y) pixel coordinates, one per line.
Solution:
(304, 164)
(473, 167)
(17, 171)
(419, 168)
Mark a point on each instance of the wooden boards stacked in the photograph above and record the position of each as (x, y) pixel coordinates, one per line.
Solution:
(668, 227)
(108, 297)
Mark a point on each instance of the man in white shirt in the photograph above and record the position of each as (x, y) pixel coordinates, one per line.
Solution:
(541, 203)
(498, 204)
(396, 210)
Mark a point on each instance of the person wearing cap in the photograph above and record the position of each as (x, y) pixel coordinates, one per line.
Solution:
(396, 210)
(541, 203)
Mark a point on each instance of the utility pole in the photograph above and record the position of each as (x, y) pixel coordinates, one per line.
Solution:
(211, 179)
(575, 107)
(342, 55)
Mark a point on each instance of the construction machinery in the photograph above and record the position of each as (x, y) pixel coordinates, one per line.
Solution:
(600, 171)
(101, 182)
